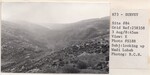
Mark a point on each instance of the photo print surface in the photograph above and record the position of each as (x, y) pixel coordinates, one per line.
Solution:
(55, 37)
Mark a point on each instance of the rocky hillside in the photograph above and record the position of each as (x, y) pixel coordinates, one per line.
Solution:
(80, 47)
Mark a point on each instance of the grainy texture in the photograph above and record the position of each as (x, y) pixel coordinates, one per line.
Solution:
(78, 47)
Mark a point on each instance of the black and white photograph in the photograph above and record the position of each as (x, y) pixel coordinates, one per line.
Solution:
(55, 37)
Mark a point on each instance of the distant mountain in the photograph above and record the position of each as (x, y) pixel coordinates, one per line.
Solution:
(34, 33)
(82, 30)
(91, 28)
(21, 41)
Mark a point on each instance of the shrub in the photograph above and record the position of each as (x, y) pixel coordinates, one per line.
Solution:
(81, 65)
(50, 69)
(107, 58)
(70, 69)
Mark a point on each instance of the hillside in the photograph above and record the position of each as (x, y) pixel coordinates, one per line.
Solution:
(28, 47)
(81, 31)
(19, 43)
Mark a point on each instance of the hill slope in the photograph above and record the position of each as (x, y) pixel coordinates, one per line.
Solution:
(28, 47)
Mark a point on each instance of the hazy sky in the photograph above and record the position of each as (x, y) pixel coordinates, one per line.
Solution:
(53, 12)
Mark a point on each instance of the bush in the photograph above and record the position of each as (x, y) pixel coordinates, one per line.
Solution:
(107, 58)
(81, 65)
(70, 69)
(49, 69)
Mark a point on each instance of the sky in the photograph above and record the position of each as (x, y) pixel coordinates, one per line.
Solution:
(53, 12)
